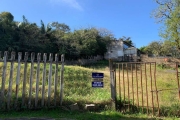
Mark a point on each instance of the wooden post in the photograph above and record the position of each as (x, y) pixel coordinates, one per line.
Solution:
(113, 84)
(37, 78)
(177, 77)
(3, 78)
(55, 79)
(44, 78)
(10, 79)
(128, 86)
(157, 98)
(31, 79)
(50, 78)
(24, 79)
(62, 79)
(142, 96)
(18, 77)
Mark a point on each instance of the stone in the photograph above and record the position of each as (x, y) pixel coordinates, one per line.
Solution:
(89, 106)
(74, 107)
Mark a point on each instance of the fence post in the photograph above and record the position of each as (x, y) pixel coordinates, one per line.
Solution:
(55, 79)
(24, 79)
(113, 84)
(18, 77)
(62, 79)
(50, 78)
(44, 78)
(10, 79)
(31, 79)
(3, 77)
(177, 77)
(37, 78)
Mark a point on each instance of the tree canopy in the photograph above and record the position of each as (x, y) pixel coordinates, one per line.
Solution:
(168, 13)
(54, 37)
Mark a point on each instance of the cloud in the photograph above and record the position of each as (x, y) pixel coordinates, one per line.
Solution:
(71, 3)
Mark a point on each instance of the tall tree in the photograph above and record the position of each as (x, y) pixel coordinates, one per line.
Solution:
(168, 13)
(7, 31)
(155, 47)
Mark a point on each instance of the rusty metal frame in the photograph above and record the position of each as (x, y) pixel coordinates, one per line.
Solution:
(134, 82)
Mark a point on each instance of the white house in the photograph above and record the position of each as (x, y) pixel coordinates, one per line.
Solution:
(122, 51)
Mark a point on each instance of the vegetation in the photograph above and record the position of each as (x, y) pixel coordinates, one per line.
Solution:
(59, 114)
(160, 48)
(51, 38)
(77, 89)
(168, 14)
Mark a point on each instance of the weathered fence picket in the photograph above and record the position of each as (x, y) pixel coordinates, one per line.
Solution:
(37, 78)
(31, 78)
(62, 79)
(43, 79)
(18, 77)
(50, 79)
(23, 90)
(3, 78)
(24, 79)
(55, 79)
(10, 79)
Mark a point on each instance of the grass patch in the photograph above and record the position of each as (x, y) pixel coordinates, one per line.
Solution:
(59, 114)
(77, 87)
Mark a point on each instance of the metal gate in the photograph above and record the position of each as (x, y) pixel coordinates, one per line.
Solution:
(136, 86)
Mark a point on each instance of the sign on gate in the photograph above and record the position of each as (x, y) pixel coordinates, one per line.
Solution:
(97, 80)
(97, 84)
(97, 75)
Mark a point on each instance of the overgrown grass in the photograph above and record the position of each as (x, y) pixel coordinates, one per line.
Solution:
(77, 87)
(59, 114)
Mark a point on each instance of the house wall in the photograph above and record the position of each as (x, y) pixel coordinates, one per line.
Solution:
(130, 51)
(115, 50)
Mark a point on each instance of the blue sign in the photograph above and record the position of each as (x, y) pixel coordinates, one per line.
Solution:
(97, 75)
(97, 84)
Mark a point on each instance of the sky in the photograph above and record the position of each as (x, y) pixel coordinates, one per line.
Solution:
(129, 18)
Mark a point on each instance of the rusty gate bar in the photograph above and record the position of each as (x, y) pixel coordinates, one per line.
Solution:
(141, 88)
(114, 75)
(128, 87)
(119, 83)
(151, 91)
(138, 75)
(146, 90)
(137, 86)
(157, 99)
(132, 83)
(177, 77)
(123, 82)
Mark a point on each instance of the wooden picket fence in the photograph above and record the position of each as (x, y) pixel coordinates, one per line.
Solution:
(27, 87)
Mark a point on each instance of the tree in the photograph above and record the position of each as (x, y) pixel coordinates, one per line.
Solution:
(7, 31)
(169, 49)
(143, 49)
(6, 16)
(127, 40)
(168, 13)
(155, 47)
(51, 38)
